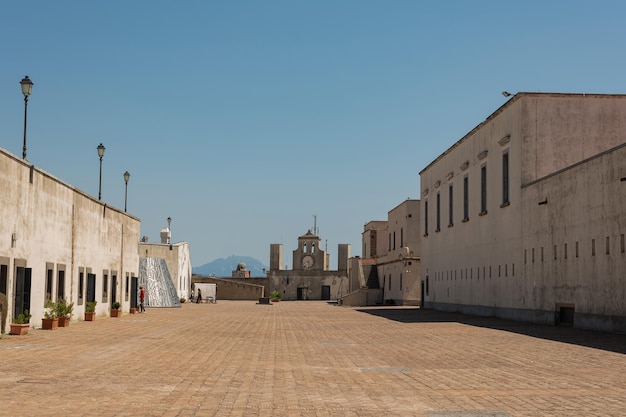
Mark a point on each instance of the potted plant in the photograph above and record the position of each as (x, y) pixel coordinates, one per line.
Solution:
(21, 324)
(275, 296)
(50, 321)
(90, 310)
(115, 309)
(64, 312)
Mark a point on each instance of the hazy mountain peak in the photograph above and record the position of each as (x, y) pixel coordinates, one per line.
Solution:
(223, 267)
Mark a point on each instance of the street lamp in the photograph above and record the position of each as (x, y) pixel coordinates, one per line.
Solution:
(27, 88)
(126, 178)
(100, 154)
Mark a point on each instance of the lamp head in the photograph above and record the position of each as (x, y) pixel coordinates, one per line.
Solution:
(27, 86)
(101, 149)
(126, 176)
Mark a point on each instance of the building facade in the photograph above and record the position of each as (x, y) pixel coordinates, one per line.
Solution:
(525, 216)
(310, 278)
(60, 243)
(177, 260)
(389, 272)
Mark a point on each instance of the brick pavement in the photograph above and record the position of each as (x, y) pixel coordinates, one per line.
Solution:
(237, 358)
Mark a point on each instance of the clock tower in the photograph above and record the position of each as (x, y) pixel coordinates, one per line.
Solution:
(309, 256)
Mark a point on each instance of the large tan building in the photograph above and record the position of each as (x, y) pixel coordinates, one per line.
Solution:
(58, 242)
(525, 216)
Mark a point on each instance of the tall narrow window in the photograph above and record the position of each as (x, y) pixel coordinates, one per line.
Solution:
(438, 212)
(426, 218)
(401, 237)
(105, 286)
(450, 207)
(465, 198)
(505, 178)
(49, 279)
(60, 283)
(81, 287)
(394, 240)
(483, 190)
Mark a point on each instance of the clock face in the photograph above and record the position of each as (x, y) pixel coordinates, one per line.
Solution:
(307, 262)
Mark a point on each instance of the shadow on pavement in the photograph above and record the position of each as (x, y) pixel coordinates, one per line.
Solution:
(593, 339)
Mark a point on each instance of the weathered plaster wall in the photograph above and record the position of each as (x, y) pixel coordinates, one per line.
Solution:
(49, 225)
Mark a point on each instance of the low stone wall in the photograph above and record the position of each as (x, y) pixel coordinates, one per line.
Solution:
(235, 288)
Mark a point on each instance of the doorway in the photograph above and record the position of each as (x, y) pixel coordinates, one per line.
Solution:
(302, 293)
(325, 292)
(22, 290)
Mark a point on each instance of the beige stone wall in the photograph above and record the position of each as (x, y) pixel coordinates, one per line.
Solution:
(236, 288)
(375, 239)
(49, 225)
(398, 269)
(308, 283)
(477, 264)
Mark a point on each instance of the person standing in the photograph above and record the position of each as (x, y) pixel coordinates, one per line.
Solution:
(142, 298)
(199, 299)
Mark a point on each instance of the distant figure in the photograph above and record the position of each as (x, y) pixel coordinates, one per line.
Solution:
(199, 299)
(142, 298)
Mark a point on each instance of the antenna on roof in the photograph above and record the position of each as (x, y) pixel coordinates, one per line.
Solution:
(315, 224)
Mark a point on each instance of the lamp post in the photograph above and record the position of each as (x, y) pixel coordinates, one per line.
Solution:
(101, 149)
(27, 88)
(169, 237)
(126, 178)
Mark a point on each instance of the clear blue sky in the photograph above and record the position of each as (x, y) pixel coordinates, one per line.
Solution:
(242, 119)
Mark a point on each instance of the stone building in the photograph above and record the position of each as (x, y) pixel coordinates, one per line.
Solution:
(59, 242)
(241, 271)
(389, 271)
(524, 217)
(310, 278)
(163, 262)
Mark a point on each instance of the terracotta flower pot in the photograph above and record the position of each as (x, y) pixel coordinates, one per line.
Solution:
(64, 322)
(50, 324)
(90, 315)
(116, 313)
(19, 329)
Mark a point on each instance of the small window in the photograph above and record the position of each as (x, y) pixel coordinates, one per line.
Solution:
(608, 245)
(593, 247)
(622, 242)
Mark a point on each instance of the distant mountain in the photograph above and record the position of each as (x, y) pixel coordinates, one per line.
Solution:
(224, 267)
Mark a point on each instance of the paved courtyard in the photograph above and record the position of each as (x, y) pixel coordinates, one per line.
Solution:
(238, 358)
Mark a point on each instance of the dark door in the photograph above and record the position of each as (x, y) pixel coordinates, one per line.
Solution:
(325, 292)
(22, 290)
(113, 288)
(300, 294)
(91, 287)
(134, 283)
